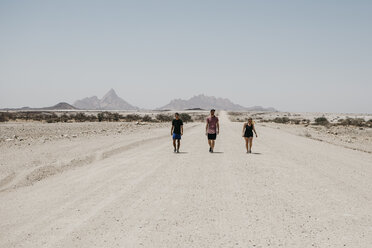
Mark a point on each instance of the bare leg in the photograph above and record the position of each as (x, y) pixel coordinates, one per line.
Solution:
(250, 143)
(178, 144)
(246, 143)
(212, 144)
(174, 144)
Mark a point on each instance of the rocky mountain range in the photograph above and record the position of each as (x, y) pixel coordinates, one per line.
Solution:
(209, 102)
(58, 106)
(110, 101)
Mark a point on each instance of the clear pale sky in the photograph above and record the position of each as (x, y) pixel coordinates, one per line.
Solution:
(313, 55)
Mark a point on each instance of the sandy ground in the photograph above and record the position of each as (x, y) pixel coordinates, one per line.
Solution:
(133, 191)
(352, 137)
(356, 138)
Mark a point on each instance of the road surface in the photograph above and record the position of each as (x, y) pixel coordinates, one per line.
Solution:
(291, 192)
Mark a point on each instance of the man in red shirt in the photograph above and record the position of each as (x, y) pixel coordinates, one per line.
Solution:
(212, 129)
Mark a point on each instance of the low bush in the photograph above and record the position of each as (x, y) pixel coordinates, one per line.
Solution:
(132, 117)
(321, 121)
(164, 118)
(200, 117)
(359, 122)
(235, 113)
(185, 117)
(281, 120)
(147, 118)
(4, 116)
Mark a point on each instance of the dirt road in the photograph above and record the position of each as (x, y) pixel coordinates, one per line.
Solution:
(291, 192)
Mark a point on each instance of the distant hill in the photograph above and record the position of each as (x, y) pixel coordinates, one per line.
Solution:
(61, 106)
(209, 102)
(58, 106)
(260, 108)
(110, 101)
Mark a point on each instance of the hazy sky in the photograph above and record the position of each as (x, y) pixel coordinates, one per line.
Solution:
(313, 55)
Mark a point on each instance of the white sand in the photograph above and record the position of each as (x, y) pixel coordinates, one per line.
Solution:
(132, 191)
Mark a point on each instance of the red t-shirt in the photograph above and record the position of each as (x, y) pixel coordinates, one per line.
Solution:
(212, 124)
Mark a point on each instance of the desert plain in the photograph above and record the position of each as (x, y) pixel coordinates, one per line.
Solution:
(119, 184)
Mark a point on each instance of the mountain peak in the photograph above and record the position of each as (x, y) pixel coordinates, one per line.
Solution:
(110, 93)
(203, 102)
(110, 101)
(208, 102)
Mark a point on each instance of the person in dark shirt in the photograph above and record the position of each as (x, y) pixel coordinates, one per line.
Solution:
(177, 132)
(248, 129)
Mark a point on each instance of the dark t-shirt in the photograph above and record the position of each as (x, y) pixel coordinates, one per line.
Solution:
(177, 126)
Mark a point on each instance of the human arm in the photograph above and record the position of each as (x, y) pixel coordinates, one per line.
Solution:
(243, 129)
(181, 129)
(172, 128)
(218, 127)
(254, 131)
(206, 127)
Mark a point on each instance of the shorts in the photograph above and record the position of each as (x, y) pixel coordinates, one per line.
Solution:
(212, 136)
(176, 136)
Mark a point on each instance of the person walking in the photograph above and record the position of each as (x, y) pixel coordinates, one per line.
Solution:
(212, 129)
(248, 129)
(177, 132)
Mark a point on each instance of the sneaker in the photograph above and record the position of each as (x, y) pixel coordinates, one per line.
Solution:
(210, 149)
(178, 151)
(175, 150)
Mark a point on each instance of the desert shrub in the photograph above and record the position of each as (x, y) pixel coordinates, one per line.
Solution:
(147, 118)
(164, 117)
(32, 116)
(50, 117)
(10, 116)
(64, 118)
(305, 121)
(100, 117)
(235, 113)
(4, 116)
(295, 121)
(132, 117)
(93, 118)
(116, 117)
(321, 121)
(281, 120)
(200, 117)
(80, 117)
(360, 122)
(106, 116)
(369, 123)
(185, 117)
